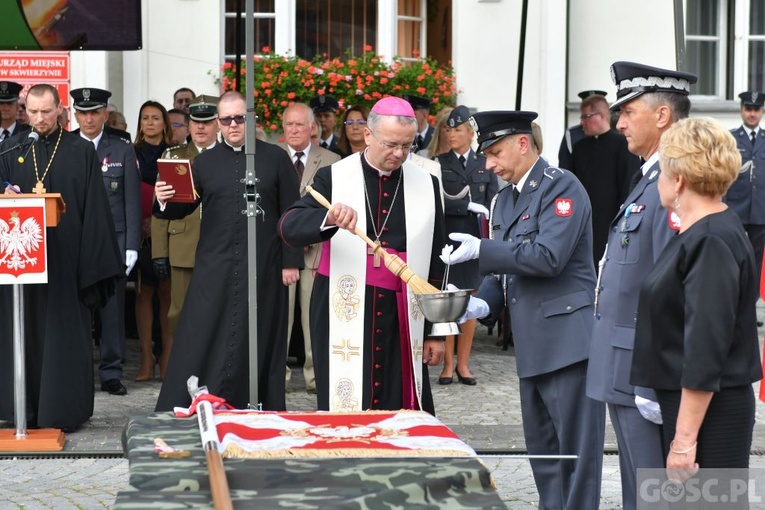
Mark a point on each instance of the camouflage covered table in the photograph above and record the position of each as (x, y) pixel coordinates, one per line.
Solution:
(293, 483)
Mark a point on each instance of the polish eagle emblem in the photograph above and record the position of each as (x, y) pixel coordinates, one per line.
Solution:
(18, 241)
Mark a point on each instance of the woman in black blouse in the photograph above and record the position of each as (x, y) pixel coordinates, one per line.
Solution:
(696, 338)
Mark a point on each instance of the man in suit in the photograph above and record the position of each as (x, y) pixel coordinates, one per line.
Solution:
(123, 188)
(574, 134)
(540, 263)
(182, 99)
(745, 196)
(174, 242)
(649, 100)
(9, 106)
(421, 107)
(298, 123)
(325, 111)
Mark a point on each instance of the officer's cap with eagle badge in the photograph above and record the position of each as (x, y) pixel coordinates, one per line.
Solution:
(9, 91)
(458, 116)
(752, 98)
(89, 99)
(203, 108)
(494, 125)
(633, 80)
(324, 104)
(587, 93)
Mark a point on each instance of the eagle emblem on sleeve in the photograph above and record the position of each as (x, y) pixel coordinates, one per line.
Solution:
(564, 206)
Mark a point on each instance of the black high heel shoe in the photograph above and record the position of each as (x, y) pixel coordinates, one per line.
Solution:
(446, 380)
(470, 381)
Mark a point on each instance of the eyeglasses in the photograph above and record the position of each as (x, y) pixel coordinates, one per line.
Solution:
(226, 121)
(586, 116)
(405, 148)
(360, 122)
(178, 124)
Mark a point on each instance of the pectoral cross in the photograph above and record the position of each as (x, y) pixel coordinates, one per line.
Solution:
(373, 251)
(38, 189)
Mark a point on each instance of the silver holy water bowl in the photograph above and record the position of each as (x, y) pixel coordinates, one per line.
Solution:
(443, 309)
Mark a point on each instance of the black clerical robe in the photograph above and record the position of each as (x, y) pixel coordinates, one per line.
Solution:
(84, 263)
(382, 371)
(211, 340)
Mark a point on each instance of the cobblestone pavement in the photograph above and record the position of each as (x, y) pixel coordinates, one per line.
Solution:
(486, 416)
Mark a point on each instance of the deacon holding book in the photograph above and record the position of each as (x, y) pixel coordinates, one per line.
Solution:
(211, 341)
(370, 344)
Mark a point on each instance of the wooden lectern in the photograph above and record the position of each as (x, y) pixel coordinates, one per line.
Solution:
(21, 439)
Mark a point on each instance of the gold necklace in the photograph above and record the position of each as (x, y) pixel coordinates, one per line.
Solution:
(38, 189)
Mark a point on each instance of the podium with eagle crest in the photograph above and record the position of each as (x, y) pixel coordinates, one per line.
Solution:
(23, 260)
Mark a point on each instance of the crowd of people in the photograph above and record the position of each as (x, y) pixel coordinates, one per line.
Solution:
(628, 274)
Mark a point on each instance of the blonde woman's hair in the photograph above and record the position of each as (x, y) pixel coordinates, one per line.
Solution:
(703, 152)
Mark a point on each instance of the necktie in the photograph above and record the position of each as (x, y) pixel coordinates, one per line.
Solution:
(324, 145)
(6, 134)
(635, 179)
(754, 137)
(462, 160)
(516, 193)
(420, 142)
(299, 166)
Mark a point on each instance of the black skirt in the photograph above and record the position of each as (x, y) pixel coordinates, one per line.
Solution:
(725, 436)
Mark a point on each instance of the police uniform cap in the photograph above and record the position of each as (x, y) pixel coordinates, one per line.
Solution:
(633, 80)
(9, 91)
(417, 102)
(458, 116)
(587, 93)
(88, 99)
(324, 104)
(752, 98)
(203, 108)
(494, 125)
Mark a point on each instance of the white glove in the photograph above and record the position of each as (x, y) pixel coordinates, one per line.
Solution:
(469, 250)
(476, 309)
(131, 257)
(478, 209)
(649, 409)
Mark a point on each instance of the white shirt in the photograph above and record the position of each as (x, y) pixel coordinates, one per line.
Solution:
(305, 151)
(649, 162)
(520, 184)
(94, 140)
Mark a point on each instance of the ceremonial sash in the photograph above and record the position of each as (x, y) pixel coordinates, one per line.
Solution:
(347, 274)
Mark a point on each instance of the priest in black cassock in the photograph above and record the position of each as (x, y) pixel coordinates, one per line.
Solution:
(84, 264)
(211, 340)
(370, 345)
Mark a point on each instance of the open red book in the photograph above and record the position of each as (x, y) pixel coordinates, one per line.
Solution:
(177, 173)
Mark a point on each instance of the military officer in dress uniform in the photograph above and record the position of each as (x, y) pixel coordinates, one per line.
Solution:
(574, 134)
(421, 107)
(123, 187)
(174, 242)
(746, 196)
(540, 263)
(9, 106)
(649, 100)
(325, 111)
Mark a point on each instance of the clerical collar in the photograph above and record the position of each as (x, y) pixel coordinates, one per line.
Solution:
(304, 151)
(380, 172)
(200, 149)
(95, 140)
(235, 149)
(653, 158)
(520, 184)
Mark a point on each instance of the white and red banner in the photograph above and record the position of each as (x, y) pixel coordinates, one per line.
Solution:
(23, 257)
(319, 434)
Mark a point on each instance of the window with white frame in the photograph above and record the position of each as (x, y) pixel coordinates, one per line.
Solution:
(705, 45)
(334, 27)
(265, 27)
(411, 29)
(756, 46)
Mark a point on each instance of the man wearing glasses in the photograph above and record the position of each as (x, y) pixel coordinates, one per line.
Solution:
(211, 340)
(369, 341)
(604, 166)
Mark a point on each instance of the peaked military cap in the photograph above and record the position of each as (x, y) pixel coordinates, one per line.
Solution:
(458, 116)
(324, 104)
(88, 99)
(752, 98)
(495, 125)
(9, 91)
(417, 102)
(633, 80)
(587, 93)
(203, 108)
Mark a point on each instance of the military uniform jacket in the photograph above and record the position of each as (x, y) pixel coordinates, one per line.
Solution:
(746, 196)
(177, 239)
(123, 187)
(544, 246)
(637, 236)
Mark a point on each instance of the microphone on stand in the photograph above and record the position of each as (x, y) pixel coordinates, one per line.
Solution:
(26, 145)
